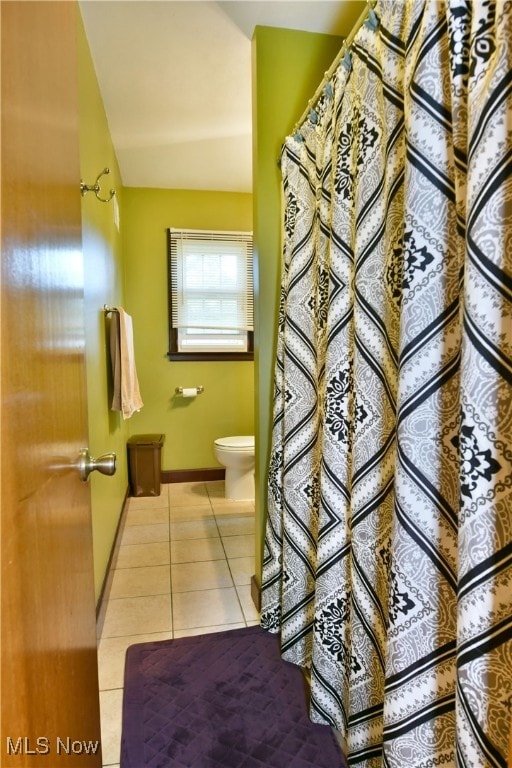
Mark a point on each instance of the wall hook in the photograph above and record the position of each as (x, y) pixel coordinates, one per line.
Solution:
(85, 188)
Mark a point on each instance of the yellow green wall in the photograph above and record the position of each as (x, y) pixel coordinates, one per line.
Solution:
(227, 405)
(103, 278)
(286, 70)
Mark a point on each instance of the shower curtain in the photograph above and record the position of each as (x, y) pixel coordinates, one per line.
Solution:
(388, 550)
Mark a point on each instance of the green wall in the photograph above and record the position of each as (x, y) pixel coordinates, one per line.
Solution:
(287, 68)
(226, 407)
(103, 278)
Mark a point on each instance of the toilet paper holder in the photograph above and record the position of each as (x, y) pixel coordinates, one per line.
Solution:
(189, 390)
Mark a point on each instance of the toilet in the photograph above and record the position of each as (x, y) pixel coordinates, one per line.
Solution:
(237, 455)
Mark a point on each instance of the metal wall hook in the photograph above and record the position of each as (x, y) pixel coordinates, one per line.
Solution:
(85, 188)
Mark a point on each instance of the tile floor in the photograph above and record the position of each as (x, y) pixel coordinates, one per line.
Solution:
(184, 567)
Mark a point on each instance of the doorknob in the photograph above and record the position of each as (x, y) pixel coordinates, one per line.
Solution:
(106, 464)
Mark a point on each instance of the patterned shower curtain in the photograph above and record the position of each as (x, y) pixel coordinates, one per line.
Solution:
(388, 552)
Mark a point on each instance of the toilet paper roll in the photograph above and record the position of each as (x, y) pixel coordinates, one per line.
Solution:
(189, 391)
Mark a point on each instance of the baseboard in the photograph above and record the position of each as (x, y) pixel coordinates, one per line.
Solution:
(192, 475)
(256, 592)
(101, 606)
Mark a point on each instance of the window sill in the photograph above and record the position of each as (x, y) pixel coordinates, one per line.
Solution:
(209, 356)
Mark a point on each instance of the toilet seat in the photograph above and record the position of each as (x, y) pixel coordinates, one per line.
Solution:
(236, 443)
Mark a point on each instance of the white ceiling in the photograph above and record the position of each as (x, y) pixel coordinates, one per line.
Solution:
(175, 77)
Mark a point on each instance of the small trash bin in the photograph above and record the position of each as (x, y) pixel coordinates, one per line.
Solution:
(144, 464)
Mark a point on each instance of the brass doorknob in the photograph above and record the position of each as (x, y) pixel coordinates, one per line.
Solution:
(106, 464)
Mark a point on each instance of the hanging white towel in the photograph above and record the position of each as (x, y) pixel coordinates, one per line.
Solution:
(126, 396)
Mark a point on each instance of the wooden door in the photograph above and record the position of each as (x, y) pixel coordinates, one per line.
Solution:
(49, 695)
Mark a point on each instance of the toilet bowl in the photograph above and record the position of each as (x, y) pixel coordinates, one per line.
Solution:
(237, 455)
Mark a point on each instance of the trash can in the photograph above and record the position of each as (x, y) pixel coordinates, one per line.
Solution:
(144, 464)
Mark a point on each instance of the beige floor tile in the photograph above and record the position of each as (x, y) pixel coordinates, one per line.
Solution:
(145, 516)
(183, 494)
(145, 534)
(207, 608)
(126, 615)
(190, 512)
(227, 507)
(111, 656)
(231, 525)
(191, 577)
(202, 528)
(136, 582)
(111, 703)
(242, 569)
(149, 502)
(193, 488)
(251, 613)
(196, 550)
(216, 489)
(193, 631)
(239, 546)
(137, 555)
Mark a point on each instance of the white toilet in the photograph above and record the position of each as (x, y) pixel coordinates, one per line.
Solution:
(237, 455)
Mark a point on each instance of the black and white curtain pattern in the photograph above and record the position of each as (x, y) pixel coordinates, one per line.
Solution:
(388, 553)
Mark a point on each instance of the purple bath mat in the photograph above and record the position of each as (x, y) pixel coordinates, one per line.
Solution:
(225, 700)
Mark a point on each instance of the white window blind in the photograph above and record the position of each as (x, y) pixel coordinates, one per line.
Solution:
(211, 280)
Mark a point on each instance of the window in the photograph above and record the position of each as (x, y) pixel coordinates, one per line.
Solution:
(210, 295)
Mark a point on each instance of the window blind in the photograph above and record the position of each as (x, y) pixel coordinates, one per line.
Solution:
(211, 279)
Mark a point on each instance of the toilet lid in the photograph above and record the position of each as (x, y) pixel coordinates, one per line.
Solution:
(239, 442)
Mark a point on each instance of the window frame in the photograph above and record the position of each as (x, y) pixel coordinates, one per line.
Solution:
(174, 354)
